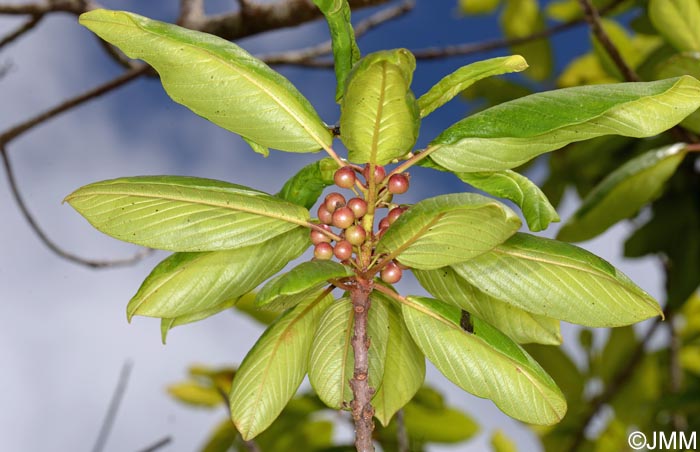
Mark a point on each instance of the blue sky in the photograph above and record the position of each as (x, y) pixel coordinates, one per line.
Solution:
(63, 329)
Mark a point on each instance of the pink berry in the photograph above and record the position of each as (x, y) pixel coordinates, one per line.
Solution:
(324, 215)
(394, 214)
(344, 177)
(319, 237)
(343, 218)
(333, 201)
(384, 224)
(323, 251)
(398, 184)
(391, 273)
(358, 207)
(379, 173)
(355, 235)
(343, 250)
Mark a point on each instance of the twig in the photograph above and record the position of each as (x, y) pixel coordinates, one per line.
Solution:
(191, 13)
(158, 445)
(34, 225)
(593, 18)
(33, 9)
(401, 433)
(679, 422)
(613, 387)
(113, 408)
(25, 27)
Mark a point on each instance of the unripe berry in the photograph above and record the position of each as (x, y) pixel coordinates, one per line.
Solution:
(334, 201)
(358, 207)
(343, 250)
(319, 237)
(391, 273)
(355, 235)
(324, 215)
(398, 184)
(384, 224)
(394, 214)
(379, 173)
(344, 177)
(323, 251)
(343, 218)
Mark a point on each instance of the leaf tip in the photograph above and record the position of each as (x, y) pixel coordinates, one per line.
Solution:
(517, 63)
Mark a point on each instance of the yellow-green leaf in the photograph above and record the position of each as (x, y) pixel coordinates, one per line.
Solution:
(521, 18)
(677, 21)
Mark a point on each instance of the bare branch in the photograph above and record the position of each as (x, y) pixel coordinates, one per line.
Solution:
(113, 407)
(191, 13)
(25, 27)
(401, 433)
(302, 56)
(34, 225)
(51, 6)
(158, 445)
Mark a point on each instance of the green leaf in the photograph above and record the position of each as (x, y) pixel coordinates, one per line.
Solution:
(185, 213)
(447, 229)
(485, 363)
(274, 368)
(562, 369)
(246, 305)
(623, 193)
(451, 85)
(584, 70)
(345, 50)
(217, 80)
(193, 393)
(677, 21)
(501, 443)
(222, 438)
(305, 187)
(404, 369)
(510, 134)
(332, 360)
(478, 6)
(168, 324)
(508, 184)
(687, 63)
(444, 425)
(379, 118)
(560, 281)
(260, 149)
(288, 289)
(189, 283)
(522, 18)
(521, 326)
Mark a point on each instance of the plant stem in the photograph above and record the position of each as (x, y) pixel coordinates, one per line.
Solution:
(362, 409)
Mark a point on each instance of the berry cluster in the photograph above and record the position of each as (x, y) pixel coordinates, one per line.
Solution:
(347, 216)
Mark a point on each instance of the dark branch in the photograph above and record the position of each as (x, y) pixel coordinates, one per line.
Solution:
(113, 408)
(158, 445)
(191, 13)
(52, 6)
(25, 27)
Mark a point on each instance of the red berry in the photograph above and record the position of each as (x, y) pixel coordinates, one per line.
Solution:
(398, 184)
(333, 201)
(323, 251)
(358, 207)
(324, 215)
(384, 224)
(344, 177)
(379, 173)
(394, 214)
(355, 235)
(319, 237)
(343, 250)
(343, 218)
(391, 273)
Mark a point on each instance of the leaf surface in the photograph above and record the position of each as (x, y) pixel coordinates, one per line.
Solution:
(217, 80)
(273, 369)
(485, 363)
(677, 21)
(520, 325)
(623, 193)
(167, 324)
(379, 118)
(446, 229)
(306, 186)
(558, 280)
(510, 134)
(451, 85)
(185, 213)
(189, 283)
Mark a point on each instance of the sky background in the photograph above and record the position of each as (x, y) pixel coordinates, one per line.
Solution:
(63, 330)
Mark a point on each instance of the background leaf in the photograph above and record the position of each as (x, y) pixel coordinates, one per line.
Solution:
(478, 6)
(206, 73)
(305, 187)
(512, 133)
(521, 18)
(677, 21)
(485, 363)
(623, 193)
(379, 118)
(274, 368)
(560, 281)
(446, 229)
(188, 283)
(185, 213)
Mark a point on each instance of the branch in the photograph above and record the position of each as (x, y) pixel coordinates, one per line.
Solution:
(191, 13)
(593, 18)
(301, 56)
(45, 7)
(401, 433)
(113, 407)
(157, 445)
(25, 27)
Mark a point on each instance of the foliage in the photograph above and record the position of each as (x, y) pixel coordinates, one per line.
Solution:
(494, 288)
